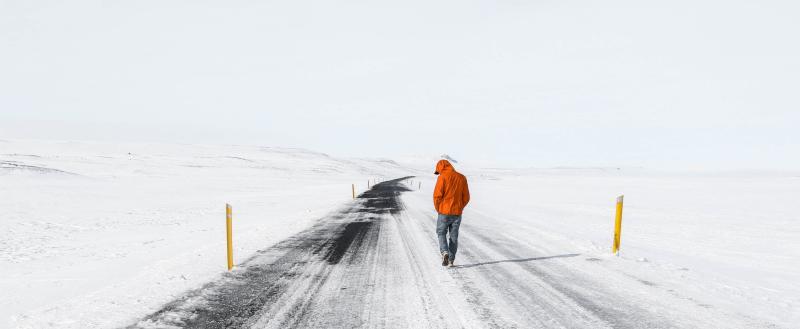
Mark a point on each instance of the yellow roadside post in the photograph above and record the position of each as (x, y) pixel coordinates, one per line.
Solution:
(617, 226)
(354, 191)
(229, 229)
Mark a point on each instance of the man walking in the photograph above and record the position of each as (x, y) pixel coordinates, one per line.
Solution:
(450, 196)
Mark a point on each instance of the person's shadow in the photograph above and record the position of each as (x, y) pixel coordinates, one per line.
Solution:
(517, 260)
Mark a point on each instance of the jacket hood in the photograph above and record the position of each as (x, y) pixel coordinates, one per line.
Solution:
(442, 166)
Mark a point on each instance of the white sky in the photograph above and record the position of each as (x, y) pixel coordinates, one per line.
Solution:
(668, 84)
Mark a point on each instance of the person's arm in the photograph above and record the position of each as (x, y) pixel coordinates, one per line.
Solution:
(438, 193)
(465, 195)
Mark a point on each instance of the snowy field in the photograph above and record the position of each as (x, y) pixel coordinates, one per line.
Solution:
(95, 235)
(99, 235)
(729, 241)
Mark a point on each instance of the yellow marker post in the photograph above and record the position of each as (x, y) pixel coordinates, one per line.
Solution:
(229, 229)
(354, 191)
(617, 226)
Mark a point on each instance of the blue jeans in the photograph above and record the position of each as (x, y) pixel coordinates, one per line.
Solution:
(444, 224)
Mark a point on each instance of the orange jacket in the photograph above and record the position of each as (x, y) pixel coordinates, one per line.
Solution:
(451, 193)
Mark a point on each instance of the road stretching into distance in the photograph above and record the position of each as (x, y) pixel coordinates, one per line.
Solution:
(375, 264)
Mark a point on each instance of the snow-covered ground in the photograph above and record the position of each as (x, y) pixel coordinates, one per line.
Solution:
(99, 235)
(94, 235)
(728, 241)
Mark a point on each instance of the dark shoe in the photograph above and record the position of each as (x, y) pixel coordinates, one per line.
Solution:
(450, 264)
(445, 259)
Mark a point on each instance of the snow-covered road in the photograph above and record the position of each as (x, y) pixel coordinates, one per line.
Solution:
(374, 263)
